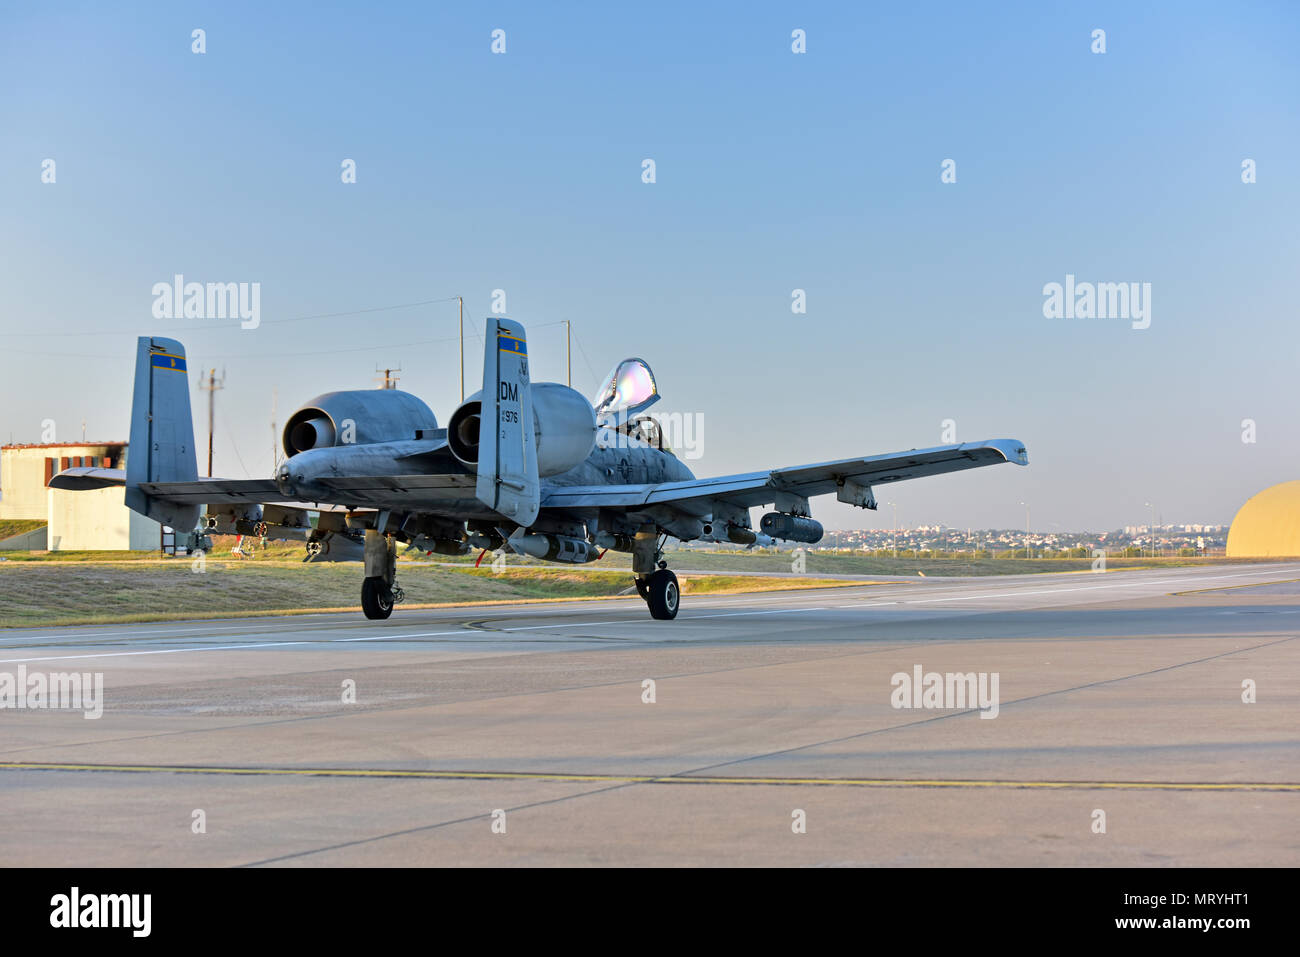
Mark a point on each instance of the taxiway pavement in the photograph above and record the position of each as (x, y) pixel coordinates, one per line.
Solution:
(1118, 692)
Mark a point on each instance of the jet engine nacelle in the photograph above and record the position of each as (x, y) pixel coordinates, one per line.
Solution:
(792, 528)
(564, 428)
(359, 417)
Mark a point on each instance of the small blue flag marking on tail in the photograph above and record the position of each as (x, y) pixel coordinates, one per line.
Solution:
(161, 360)
(510, 344)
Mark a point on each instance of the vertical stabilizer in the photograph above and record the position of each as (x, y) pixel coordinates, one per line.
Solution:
(507, 464)
(162, 432)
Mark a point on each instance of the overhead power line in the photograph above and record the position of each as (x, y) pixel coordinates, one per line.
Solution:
(229, 326)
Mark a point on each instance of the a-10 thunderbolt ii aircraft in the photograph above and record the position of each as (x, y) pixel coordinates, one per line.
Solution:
(529, 467)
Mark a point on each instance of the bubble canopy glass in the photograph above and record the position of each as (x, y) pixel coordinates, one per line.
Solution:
(628, 389)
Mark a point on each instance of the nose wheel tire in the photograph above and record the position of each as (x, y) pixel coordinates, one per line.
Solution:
(662, 594)
(376, 598)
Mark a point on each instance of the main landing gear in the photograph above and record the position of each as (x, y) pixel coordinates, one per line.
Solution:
(376, 598)
(379, 591)
(660, 591)
(656, 585)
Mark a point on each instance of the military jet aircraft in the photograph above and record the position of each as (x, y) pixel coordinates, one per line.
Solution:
(533, 468)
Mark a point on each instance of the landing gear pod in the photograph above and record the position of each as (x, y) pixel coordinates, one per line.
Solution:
(793, 528)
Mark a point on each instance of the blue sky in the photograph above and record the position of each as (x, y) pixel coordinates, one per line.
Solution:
(775, 171)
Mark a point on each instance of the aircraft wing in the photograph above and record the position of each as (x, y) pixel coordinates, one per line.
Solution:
(762, 488)
(852, 479)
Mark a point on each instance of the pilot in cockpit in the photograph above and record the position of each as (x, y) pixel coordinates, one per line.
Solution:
(627, 391)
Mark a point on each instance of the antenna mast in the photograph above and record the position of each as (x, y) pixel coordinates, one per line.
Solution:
(389, 380)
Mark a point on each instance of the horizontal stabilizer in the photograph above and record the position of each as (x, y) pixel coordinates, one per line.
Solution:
(85, 479)
(366, 491)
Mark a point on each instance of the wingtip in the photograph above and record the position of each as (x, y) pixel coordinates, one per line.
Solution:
(1013, 450)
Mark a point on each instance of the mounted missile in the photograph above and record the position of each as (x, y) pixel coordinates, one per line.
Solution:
(734, 534)
(553, 548)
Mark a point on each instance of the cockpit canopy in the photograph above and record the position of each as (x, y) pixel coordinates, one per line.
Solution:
(628, 389)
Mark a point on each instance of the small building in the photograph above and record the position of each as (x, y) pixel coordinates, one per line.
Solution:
(74, 521)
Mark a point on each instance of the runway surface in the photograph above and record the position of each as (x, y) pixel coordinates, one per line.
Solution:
(1120, 698)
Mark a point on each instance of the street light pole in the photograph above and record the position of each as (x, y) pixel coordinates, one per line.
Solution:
(895, 507)
(1026, 505)
(1152, 526)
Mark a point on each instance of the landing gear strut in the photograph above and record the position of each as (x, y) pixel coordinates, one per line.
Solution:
(379, 591)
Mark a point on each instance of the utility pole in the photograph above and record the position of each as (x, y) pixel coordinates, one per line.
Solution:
(461, 327)
(568, 357)
(1153, 528)
(895, 507)
(213, 386)
(390, 380)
